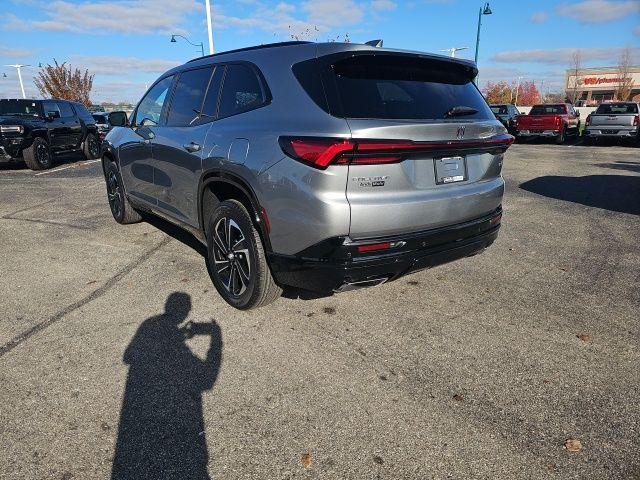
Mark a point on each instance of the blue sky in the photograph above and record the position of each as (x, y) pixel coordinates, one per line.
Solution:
(126, 42)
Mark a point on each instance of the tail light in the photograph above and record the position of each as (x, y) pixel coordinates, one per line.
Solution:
(558, 122)
(588, 120)
(636, 120)
(322, 152)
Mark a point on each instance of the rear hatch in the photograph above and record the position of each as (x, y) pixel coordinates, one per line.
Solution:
(427, 150)
(614, 115)
(538, 122)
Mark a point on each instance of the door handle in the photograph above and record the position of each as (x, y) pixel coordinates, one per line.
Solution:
(192, 147)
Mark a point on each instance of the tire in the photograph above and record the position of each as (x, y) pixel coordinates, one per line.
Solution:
(237, 262)
(121, 209)
(38, 155)
(587, 140)
(91, 147)
(560, 139)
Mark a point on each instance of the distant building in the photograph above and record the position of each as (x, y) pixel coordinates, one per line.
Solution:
(597, 85)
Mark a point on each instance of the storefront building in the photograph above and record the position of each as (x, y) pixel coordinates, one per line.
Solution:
(597, 85)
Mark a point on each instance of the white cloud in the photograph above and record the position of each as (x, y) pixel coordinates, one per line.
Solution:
(120, 66)
(597, 11)
(333, 13)
(539, 17)
(563, 56)
(122, 16)
(383, 5)
(11, 52)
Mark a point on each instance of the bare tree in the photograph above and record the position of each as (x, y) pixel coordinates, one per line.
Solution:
(62, 81)
(625, 82)
(576, 63)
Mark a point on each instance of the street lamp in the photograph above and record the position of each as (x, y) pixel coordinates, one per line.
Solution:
(452, 51)
(18, 67)
(201, 45)
(518, 89)
(486, 10)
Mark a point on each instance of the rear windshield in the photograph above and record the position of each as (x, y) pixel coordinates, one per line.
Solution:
(548, 110)
(100, 118)
(19, 107)
(406, 87)
(620, 108)
(499, 109)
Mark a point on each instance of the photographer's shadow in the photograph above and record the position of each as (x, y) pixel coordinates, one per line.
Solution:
(161, 431)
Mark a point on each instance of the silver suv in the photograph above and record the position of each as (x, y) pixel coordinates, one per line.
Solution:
(321, 166)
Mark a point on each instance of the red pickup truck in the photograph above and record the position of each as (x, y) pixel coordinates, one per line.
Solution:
(556, 120)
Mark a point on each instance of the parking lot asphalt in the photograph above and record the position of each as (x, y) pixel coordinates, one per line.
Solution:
(483, 368)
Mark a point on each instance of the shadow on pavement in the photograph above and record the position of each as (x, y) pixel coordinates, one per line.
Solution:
(617, 193)
(619, 165)
(176, 232)
(161, 433)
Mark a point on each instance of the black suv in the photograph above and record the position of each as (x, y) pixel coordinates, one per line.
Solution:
(38, 129)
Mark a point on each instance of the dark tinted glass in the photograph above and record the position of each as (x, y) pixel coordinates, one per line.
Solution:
(211, 100)
(65, 109)
(50, 108)
(393, 87)
(500, 109)
(100, 118)
(150, 108)
(620, 108)
(548, 110)
(188, 97)
(241, 91)
(19, 107)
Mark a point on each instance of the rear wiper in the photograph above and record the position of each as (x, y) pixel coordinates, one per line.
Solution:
(460, 111)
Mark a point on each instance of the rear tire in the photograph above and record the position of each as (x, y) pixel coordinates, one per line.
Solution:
(121, 209)
(237, 262)
(91, 147)
(38, 155)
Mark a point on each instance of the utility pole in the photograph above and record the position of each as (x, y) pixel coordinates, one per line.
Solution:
(209, 28)
(18, 67)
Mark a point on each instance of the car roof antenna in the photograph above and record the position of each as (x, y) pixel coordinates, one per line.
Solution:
(375, 43)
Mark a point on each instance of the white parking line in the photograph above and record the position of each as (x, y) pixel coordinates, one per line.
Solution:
(74, 165)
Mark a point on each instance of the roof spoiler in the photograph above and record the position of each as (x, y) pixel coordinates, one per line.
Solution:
(374, 43)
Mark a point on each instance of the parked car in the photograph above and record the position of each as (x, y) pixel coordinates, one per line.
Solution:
(619, 120)
(557, 121)
(507, 114)
(324, 166)
(103, 123)
(37, 130)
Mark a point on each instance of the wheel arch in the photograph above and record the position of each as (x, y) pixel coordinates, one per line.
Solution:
(218, 186)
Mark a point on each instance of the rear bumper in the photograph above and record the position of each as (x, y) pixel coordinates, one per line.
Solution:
(337, 265)
(612, 131)
(538, 133)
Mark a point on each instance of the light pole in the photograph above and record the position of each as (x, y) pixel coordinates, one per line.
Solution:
(18, 67)
(452, 51)
(201, 45)
(518, 89)
(209, 28)
(486, 10)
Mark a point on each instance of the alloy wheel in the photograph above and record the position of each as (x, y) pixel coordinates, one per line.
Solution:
(94, 148)
(231, 256)
(114, 194)
(42, 154)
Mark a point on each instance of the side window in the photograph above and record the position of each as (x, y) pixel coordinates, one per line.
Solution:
(211, 100)
(65, 109)
(83, 113)
(188, 97)
(241, 91)
(150, 108)
(51, 109)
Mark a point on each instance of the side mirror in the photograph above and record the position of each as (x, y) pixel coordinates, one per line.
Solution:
(118, 119)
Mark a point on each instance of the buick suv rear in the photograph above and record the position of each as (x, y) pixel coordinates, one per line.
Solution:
(325, 167)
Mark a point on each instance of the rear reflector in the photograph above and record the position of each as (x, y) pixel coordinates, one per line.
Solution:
(322, 152)
(374, 246)
(495, 220)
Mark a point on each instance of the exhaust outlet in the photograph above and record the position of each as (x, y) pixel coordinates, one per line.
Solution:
(361, 284)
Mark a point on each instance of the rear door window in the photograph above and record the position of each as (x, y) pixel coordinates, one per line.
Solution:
(406, 87)
(186, 105)
(51, 109)
(65, 109)
(241, 91)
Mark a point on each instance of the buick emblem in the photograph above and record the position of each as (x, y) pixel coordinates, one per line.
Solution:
(460, 133)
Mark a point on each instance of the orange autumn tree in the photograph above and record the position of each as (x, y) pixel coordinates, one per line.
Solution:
(528, 94)
(62, 81)
(498, 92)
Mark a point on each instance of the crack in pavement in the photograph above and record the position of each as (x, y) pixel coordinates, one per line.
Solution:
(18, 339)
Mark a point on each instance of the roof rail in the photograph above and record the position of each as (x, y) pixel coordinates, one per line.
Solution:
(256, 47)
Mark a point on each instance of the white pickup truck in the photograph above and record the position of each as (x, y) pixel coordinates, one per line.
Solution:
(614, 120)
